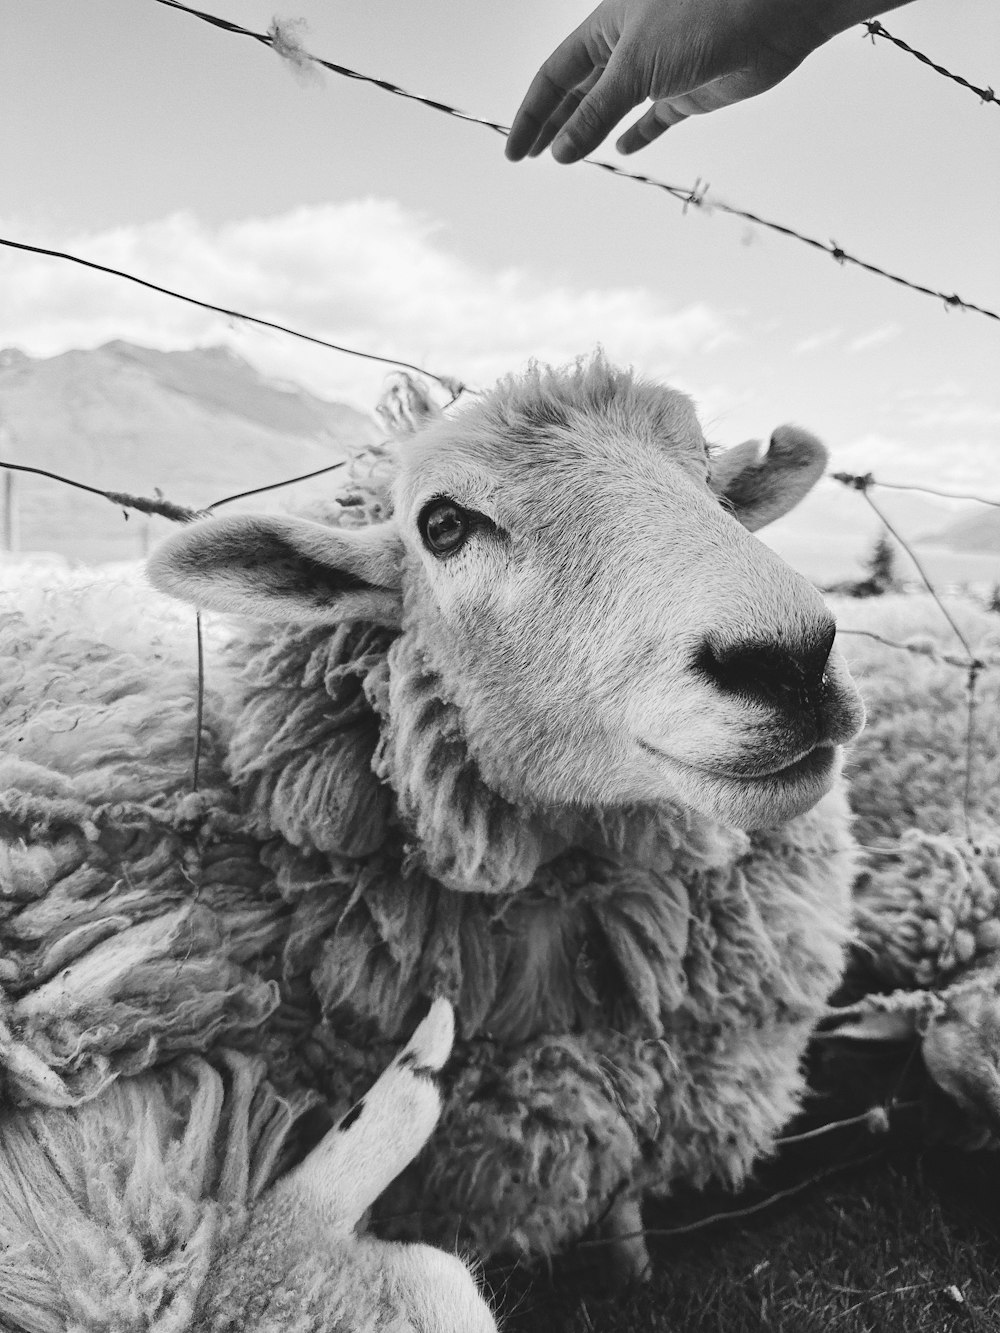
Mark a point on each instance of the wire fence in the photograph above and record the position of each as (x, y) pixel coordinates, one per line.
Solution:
(697, 196)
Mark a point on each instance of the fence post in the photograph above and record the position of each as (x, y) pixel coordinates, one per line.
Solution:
(9, 533)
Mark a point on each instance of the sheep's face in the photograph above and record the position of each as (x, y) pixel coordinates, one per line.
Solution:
(578, 570)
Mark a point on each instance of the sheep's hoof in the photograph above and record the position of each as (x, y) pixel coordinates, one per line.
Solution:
(626, 1256)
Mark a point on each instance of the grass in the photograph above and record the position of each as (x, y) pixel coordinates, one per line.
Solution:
(898, 1239)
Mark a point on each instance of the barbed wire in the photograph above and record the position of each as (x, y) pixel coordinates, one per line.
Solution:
(697, 196)
(160, 505)
(921, 649)
(732, 1214)
(448, 383)
(924, 490)
(875, 29)
(973, 664)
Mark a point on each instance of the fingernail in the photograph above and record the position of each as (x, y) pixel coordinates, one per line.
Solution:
(562, 149)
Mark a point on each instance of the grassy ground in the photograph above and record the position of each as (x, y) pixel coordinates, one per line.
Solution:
(892, 1238)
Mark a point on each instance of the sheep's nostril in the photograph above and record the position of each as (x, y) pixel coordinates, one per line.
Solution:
(769, 672)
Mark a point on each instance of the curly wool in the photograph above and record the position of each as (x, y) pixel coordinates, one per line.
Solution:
(924, 963)
(925, 793)
(113, 1214)
(128, 905)
(908, 768)
(928, 908)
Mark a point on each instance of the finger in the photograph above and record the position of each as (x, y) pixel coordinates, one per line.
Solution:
(657, 119)
(568, 65)
(600, 111)
(562, 113)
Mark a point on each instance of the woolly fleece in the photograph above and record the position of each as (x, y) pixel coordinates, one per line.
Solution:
(634, 989)
(924, 966)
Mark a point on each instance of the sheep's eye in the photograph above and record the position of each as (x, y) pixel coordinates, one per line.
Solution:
(444, 526)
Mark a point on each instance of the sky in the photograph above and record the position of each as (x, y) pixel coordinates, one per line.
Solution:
(197, 159)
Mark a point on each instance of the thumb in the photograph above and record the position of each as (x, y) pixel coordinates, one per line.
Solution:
(613, 96)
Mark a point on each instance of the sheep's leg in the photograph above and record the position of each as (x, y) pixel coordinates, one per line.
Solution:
(627, 1256)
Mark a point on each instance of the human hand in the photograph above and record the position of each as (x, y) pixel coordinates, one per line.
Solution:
(689, 56)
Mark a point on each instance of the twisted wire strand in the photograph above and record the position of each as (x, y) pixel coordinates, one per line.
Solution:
(875, 29)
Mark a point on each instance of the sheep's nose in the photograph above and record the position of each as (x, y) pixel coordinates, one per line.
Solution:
(777, 674)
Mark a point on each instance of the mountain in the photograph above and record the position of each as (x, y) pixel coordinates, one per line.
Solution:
(978, 532)
(198, 425)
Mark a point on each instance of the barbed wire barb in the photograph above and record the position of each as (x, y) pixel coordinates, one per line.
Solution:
(697, 195)
(875, 29)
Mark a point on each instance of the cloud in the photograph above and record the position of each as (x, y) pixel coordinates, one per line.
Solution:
(943, 389)
(885, 333)
(816, 342)
(825, 338)
(965, 415)
(965, 464)
(365, 273)
(955, 412)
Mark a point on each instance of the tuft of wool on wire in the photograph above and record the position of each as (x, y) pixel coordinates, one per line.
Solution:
(288, 41)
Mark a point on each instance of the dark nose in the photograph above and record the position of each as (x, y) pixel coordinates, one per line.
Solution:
(768, 672)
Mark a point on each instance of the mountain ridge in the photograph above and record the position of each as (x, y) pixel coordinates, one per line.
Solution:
(194, 424)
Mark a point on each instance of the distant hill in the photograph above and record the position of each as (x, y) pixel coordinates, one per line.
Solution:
(979, 532)
(830, 535)
(198, 424)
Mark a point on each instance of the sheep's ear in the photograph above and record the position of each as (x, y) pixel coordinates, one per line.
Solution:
(285, 569)
(763, 489)
(382, 1133)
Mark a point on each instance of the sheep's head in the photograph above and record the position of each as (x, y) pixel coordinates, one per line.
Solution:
(574, 565)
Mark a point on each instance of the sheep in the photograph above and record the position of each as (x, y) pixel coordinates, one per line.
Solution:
(155, 1206)
(529, 721)
(923, 967)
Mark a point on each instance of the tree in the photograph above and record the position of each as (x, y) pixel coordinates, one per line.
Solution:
(881, 566)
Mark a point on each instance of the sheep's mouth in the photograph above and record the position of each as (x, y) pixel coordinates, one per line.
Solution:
(750, 796)
(814, 762)
(811, 763)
